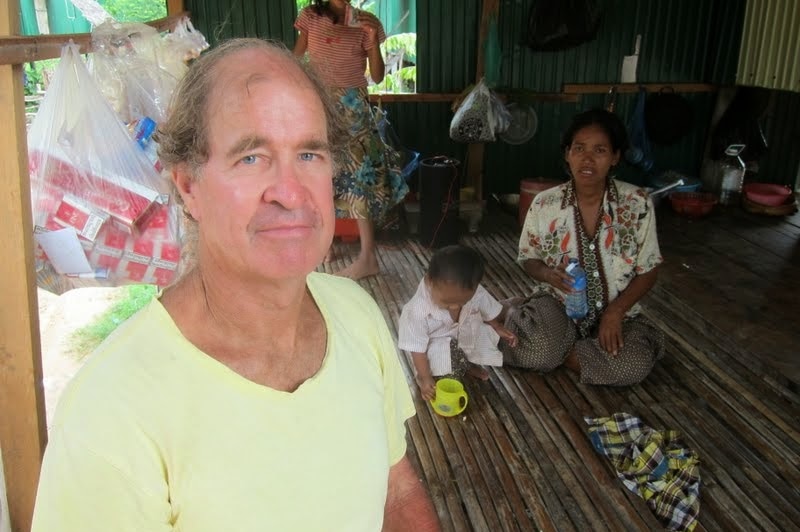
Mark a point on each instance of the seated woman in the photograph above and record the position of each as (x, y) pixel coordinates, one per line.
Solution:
(610, 227)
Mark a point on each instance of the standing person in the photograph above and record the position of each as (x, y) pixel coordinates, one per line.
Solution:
(369, 182)
(254, 394)
(452, 324)
(610, 227)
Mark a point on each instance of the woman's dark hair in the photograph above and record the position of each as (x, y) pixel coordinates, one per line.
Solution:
(322, 8)
(606, 120)
(458, 264)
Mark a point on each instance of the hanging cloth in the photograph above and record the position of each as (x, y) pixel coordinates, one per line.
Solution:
(640, 152)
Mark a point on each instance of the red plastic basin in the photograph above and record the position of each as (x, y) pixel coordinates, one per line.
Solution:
(767, 193)
(692, 204)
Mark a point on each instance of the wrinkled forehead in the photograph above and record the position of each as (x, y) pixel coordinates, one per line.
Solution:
(235, 75)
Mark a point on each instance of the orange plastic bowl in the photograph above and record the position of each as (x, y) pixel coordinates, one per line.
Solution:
(692, 204)
(767, 193)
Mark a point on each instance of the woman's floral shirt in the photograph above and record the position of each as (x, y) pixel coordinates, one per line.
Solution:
(624, 244)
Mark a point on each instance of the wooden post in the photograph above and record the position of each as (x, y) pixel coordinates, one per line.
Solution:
(474, 164)
(23, 426)
(174, 7)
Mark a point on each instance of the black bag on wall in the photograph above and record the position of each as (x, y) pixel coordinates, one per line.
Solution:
(561, 24)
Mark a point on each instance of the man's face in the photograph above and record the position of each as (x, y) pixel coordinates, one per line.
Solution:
(263, 201)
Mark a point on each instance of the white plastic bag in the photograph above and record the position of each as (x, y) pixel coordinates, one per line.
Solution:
(480, 117)
(95, 192)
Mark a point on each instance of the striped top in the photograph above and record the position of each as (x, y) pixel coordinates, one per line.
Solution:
(337, 52)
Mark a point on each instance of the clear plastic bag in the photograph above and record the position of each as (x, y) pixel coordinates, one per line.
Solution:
(102, 213)
(186, 42)
(480, 117)
(125, 65)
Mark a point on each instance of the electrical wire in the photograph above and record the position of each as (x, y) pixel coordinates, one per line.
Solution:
(446, 205)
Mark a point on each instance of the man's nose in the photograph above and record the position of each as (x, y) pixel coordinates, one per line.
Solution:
(286, 187)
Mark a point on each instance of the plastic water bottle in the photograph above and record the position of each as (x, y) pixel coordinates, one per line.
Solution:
(576, 303)
(143, 134)
(732, 169)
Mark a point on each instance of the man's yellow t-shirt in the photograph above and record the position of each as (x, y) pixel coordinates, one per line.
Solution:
(155, 435)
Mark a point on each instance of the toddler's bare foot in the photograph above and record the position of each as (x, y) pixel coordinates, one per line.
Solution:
(363, 266)
(478, 372)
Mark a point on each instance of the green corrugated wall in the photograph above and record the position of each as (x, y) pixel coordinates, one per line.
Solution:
(686, 41)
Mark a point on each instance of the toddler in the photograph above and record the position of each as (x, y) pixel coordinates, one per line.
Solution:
(452, 324)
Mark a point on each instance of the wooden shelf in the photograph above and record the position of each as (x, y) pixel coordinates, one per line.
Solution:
(413, 97)
(602, 88)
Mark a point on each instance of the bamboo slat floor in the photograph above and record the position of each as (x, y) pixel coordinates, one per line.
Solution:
(519, 458)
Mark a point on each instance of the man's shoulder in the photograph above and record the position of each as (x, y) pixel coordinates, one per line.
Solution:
(126, 367)
(338, 291)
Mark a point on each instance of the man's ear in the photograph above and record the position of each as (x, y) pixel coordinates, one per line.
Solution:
(185, 181)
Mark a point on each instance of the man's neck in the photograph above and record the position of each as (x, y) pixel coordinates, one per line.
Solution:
(220, 303)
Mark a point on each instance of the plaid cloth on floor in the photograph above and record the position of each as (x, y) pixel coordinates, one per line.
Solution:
(656, 465)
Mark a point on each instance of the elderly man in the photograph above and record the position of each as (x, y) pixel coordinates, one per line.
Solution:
(254, 394)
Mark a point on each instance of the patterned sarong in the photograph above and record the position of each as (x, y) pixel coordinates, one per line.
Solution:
(369, 182)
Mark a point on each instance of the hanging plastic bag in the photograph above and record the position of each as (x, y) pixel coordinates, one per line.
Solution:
(102, 214)
(125, 65)
(480, 117)
(407, 159)
(181, 45)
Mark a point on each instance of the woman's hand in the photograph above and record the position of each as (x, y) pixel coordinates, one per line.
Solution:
(369, 25)
(503, 332)
(508, 336)
(610, 333)
(427, 387)
(559, 278)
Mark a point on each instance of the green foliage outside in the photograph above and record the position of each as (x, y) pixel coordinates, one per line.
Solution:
(37, 75)
(400, 49)
(135, 10)
(86, 339)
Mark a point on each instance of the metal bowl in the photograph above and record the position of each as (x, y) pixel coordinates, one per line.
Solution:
(509, 200)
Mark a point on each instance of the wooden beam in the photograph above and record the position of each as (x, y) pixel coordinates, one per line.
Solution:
(16, 49)
(23, 425)
(489, 9)
(474, 162)
(602, 88)
(510, 94)
(174, 7)
(414, 97)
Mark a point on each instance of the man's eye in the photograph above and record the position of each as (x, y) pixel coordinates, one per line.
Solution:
(307, 156)
(249, 159)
